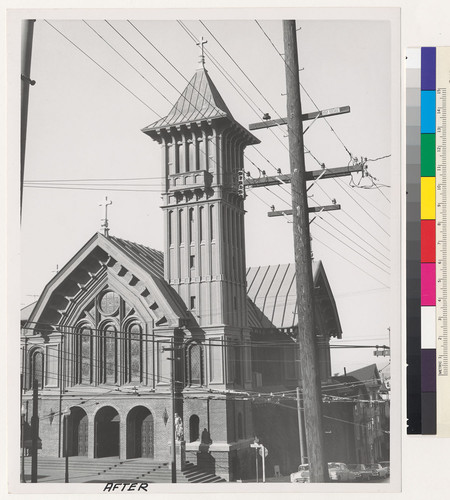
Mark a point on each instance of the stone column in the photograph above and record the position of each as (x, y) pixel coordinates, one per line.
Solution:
(180, 449)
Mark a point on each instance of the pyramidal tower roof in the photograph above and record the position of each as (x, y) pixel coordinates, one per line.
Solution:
(200, 100)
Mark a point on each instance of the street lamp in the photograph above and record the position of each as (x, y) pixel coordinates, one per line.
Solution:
(23, 412)
(66, 414)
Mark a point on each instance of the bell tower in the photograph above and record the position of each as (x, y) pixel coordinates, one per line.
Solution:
(203, 203)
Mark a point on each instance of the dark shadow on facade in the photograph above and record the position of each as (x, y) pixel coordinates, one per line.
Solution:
(107, 433)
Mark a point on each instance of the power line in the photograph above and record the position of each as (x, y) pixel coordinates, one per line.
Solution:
(303, 88)
(349, 247)
(126, 60)
(92, 189)
(112, 179)
(152, 337)
(238, 66)
(351, 230)
(353, 264)
(340, 232)
(340, 184)
(101, 67)
(234, 84)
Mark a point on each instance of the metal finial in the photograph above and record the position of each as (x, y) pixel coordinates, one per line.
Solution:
(201, 44)
(105, 225)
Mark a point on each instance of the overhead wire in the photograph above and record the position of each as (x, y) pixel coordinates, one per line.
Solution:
(350, 239)
(128, 62)
(303, 88)
(247, 99)
(41, 327)
(352, 263)
(102, 68)
(318, 109)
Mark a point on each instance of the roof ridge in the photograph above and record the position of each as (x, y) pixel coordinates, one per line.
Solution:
(137, 244)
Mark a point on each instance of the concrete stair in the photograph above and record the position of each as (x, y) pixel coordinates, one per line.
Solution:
(111, 469)
(81, 469)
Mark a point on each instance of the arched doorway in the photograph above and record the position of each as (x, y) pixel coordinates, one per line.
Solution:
(107, 432)
(140, 433)
(78, 432)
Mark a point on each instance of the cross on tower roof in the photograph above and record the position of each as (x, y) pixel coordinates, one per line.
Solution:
(105, 220)
(201, 44)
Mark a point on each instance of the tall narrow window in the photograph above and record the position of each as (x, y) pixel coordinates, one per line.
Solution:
(201, 222)
(135, 360)
(193, 301)
(110, 355)
(178, 154)
(191, 225)
(170, 226)
(37, 367)
(180, 226)
(170, 158)
(195, 364)
(211, 222)
(85, 360)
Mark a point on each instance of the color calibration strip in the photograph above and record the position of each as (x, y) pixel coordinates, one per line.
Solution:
(428, 373)
(428, 237)
(413, 250)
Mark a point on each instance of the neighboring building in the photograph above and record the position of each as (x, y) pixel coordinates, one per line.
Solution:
(356, 417)
(97, 338)
(378, 412)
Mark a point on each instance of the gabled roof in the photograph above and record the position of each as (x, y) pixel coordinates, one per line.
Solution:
(272, 291)
(148, 258)
(133, 263)
(368, 374)
(200, 100)
(26, 311)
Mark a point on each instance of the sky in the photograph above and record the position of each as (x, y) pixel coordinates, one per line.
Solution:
(85, 123)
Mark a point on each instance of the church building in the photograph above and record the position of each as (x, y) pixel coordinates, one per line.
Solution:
(122, 324)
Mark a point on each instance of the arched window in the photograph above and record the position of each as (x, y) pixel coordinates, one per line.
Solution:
(82, 349)
(170, 228)
(37, 367)
(108, 355)
(211, 222)
(194, 428)
(180, 226)
(191, 225)
(201, 222)
(135, 353)
(194, 364)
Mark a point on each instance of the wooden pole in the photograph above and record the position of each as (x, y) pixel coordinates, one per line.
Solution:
(27, 42)
(312, 400)
(34, 433)
(300, 429)
(174, 451)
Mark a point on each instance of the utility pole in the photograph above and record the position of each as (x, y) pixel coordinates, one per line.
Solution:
(312, 400)
(27, 43)
(34, 433)
(172, 359)
(300, 429)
